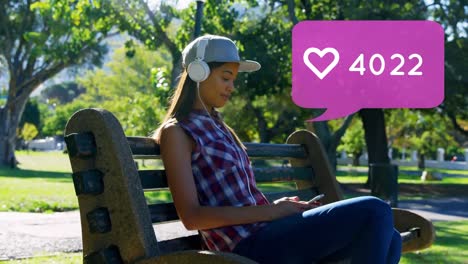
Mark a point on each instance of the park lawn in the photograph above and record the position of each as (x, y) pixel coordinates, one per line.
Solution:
(55, 161)
(403, 179)
(459, 172)
(43, 184)
(451, 247)
(410, 168)
(70, 258)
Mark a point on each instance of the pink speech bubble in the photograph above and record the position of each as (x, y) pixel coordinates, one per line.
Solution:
(344, 66)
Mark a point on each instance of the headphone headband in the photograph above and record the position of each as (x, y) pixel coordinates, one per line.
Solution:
(201, 49)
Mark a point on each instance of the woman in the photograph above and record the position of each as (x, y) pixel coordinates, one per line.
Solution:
(214, 190)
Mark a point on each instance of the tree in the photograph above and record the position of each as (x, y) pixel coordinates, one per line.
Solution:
(29, 131)
(151, 26)
(422, 130)
(373, 119)
(319, 10)
(31, 114)
(131, 87)
(63, 92)
(55, 124)
(452, 16)
(456, 83)
(353, 141)
(263, 27)
(39, 39)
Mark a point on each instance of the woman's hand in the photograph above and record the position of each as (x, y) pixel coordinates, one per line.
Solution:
(290, 205)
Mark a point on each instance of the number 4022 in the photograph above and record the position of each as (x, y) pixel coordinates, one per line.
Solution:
(358, 64)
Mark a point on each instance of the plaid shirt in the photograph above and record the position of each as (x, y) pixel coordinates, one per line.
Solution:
(223, 176)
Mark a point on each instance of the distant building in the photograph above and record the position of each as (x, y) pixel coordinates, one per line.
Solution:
(46, 144)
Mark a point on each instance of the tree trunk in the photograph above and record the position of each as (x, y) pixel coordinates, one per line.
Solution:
(330, 141)
(261, 122)
(10, 116)
(421, 162)
(356, 157)
(176, 70)
(373, 121)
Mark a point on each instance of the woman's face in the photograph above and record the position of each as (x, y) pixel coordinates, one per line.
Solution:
(217, 89)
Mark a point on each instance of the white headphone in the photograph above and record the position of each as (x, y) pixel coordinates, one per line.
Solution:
(198, 70)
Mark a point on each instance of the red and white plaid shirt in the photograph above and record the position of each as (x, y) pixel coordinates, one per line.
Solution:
(223, 177)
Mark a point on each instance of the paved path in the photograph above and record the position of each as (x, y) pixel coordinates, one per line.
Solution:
(29, 234)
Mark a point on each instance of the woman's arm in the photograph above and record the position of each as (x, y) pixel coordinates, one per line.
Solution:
(176, 148)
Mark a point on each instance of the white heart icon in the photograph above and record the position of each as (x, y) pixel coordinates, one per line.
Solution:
(321, 53)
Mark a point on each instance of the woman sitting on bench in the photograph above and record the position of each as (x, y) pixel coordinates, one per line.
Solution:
(214, 190)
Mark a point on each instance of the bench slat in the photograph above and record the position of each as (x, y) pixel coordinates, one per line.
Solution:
(272, 174)
(156, 179)
(145, 146)
(275, 151)
(163, 212)
(153, 179)
(181, 243)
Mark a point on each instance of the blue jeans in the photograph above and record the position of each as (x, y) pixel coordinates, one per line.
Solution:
(360, 229)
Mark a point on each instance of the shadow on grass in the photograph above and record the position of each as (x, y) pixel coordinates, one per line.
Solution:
(18, 173)
(450, 245)
(449, 237)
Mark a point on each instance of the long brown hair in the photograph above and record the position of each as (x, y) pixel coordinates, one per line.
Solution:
(181, 104)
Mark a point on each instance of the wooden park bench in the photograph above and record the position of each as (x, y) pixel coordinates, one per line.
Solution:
(116, 220)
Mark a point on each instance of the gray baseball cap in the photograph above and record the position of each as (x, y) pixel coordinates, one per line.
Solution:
(217, 49)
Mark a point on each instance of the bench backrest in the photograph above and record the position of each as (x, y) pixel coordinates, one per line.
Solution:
(116, 219)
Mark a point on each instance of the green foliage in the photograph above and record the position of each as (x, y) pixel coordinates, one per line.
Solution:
(55, 123)
(62, 92)
(135, 18)
(353, 140)
(39, 39)
(160, 79)
(423, 130)
(263, 35)
(134, 88)
(31, 113)
(81, 23)
(29, 131)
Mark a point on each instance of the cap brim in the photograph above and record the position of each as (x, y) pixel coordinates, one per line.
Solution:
(249, 66)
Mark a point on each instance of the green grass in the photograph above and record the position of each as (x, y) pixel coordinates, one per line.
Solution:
(43, 161)
(70, 258)
(451, 247)
(42, 184)
(412, 168)
(402, 178)
(458, 172)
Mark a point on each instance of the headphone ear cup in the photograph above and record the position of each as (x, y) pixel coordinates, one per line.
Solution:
(198, 71)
